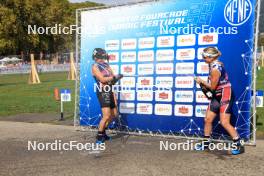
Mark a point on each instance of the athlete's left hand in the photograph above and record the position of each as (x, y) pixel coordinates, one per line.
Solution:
(198, 80)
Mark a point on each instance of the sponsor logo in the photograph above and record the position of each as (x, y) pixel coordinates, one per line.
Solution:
(165, 41)
(129, 44)
(185, 54)
(164, 68)
(112, 45)
(165, 55)
(200, 110)
(146, 56)
(202, 68)
(115, 69)
(146, 42)
(113, 57)
(127, 95)
(145, 81)
(166, 82)
(163, 109)
(164, 96)
(128, 69)
(145, 69)
(127, 108)
(128, 56)
(201, 98)
(184, 82)
(184, 68)
(184, 96)
(183, 110)
(128, 82)
(144, 108)
(208, 39)
(144, 95)
(237, 12)
(186, 40)
(199, 53)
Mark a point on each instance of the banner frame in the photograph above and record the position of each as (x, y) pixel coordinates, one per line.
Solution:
(252, 140)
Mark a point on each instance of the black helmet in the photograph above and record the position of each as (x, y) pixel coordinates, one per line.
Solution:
(100, 54)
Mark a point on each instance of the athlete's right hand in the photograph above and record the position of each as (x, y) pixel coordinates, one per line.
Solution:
(115, 79)
(119, 76)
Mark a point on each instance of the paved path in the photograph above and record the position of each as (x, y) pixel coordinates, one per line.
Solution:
(124, 156)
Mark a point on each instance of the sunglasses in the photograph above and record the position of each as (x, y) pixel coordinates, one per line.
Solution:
(204, 54)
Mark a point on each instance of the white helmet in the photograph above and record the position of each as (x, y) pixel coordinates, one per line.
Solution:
(211, 52)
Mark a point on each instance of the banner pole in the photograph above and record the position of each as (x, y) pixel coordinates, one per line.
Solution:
(76, 108)
(255, 71)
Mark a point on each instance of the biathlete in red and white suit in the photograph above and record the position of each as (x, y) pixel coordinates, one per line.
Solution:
(221, 100)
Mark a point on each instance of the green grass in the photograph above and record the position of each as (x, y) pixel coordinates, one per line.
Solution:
(260, 111)
(17, 96)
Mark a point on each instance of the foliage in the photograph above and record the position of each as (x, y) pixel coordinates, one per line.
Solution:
(16, 15)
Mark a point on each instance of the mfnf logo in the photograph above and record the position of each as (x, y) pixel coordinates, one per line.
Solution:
(237, 12)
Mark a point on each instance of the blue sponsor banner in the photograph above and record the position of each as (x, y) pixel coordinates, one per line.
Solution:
(159, 44)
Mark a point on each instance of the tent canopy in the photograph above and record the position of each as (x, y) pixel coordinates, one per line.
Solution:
(12, 59)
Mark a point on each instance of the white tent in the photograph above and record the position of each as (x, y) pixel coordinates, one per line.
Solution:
(12, 59)
(4, 59)
(7, 60)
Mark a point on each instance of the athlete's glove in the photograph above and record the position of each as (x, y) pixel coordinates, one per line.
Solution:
(116, 78)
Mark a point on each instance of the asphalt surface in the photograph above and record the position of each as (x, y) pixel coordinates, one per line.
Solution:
(124, 155)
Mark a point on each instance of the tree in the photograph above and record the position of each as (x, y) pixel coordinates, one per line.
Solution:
(16, 15)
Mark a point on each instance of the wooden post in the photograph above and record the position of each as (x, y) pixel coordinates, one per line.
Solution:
(33, 76)
(72, 72)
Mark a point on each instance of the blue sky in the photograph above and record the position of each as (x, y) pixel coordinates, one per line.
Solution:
(107, 1)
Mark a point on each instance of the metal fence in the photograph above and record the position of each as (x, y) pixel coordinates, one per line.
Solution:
(58, 62)
(40, 68)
